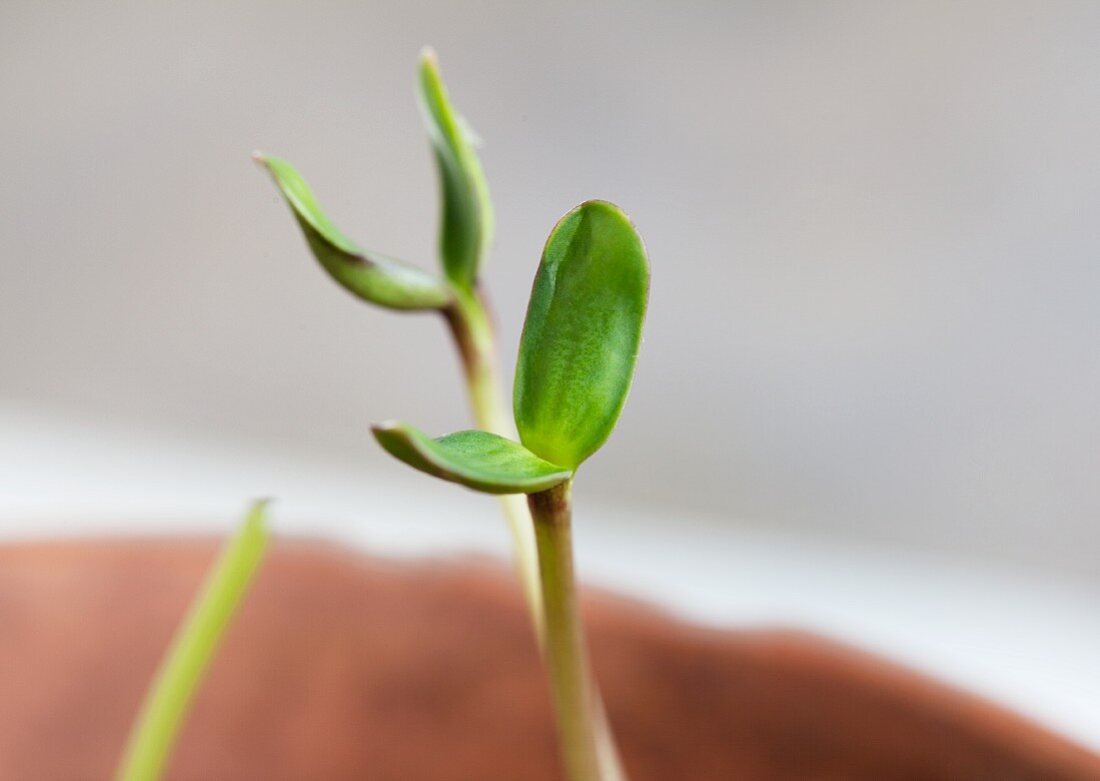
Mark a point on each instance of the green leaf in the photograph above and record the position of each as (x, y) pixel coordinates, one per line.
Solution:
(371, 276)
(467, 220)
(581, 336)
(475, 459)
(184, 665)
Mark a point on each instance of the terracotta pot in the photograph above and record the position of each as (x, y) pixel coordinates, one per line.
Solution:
(347, 667)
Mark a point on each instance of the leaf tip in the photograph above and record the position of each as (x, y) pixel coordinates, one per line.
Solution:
(266, 163)
(257, 510)
(392, 435)
(598, 205)
(387, 426)
(255, 526)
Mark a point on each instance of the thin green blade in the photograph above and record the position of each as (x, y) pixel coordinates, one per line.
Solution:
(475, 459)
(371, 276)
(193, 648)
(582, 333)
(467, 220)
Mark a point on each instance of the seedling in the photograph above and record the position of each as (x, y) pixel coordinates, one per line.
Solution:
(184, 665)
(466, 231)
(576, 362)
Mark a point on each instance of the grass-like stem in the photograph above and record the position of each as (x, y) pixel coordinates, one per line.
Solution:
(169, 697)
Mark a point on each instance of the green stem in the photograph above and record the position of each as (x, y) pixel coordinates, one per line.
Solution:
(587, 747)
(181, 671)
(473, 333)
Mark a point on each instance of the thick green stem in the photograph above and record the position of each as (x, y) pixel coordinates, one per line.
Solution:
(587, 747)
(473, 333)
(170, 695)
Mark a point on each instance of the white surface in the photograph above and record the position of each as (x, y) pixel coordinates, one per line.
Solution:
(1027, 640)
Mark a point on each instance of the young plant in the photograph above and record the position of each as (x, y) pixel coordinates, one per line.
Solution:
(466, 232)
(181, 671)
(576, 361)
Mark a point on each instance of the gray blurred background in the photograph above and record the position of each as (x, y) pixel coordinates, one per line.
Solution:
(873, 230)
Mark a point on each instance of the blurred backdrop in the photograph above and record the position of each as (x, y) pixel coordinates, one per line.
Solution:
(873, 230)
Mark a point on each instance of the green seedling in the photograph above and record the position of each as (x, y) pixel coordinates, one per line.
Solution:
(181, 671)
(576, 362)
(466, 232)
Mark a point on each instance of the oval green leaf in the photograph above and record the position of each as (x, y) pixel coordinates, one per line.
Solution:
(467, 220)
(582, 333)
(371, 276)
(475, 459)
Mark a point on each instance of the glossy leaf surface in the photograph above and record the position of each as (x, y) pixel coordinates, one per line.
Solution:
(582, 333)
(369, 275)
(467, 213)
(475, 459)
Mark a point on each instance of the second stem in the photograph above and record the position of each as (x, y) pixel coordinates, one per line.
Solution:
(473, 334)
(535, 550)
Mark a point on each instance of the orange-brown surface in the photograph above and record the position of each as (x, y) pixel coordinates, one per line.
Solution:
(347, 667)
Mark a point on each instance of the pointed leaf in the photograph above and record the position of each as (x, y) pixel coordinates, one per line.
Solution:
(475, 459)
(194, 647)
(371, 276)
(467, 219)
(581, 336)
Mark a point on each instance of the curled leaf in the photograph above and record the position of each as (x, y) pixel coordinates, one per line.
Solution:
(371, 276)
(582, 333)
(475, 459)
(467, 220)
